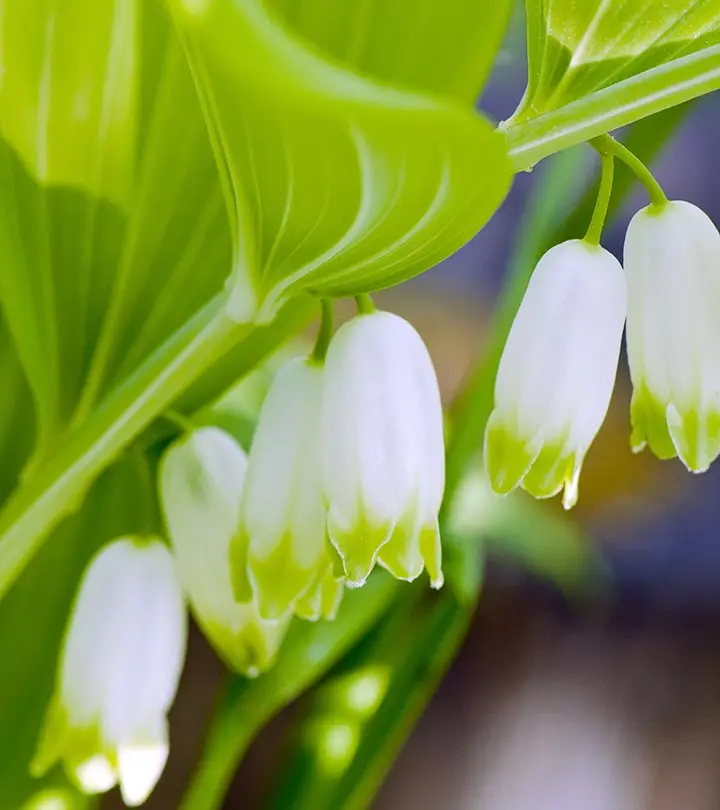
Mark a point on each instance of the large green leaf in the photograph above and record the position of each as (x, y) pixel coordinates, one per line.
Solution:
(446, 48)
(112, 228)
(578, 47)
(67, 123)
(335, 184)
(17, 417)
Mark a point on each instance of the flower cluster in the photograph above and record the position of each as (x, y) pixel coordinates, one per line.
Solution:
(345, 471)
(557, 371)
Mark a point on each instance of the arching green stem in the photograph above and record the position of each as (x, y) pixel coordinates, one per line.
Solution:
(607, 145)
(597, 222)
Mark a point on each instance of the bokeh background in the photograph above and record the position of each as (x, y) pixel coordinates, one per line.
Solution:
(554, 703)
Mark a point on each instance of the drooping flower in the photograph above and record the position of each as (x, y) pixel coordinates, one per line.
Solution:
(280, 554)
(672, 263)
(382, 449)
(118, 673)
(557, 372)
(201, 485)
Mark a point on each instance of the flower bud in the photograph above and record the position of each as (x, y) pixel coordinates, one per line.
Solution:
(382, 449)
(672, 263)
(118, 673)
(201, 484)
(557, 372)
(280, 550)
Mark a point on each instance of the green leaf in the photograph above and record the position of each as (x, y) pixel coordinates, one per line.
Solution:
(671, 83)
(335, 184)
(67, 93)
(576, 48)
(443, 48)
(309, 650)
(103, 160)
(33, 616)
(68, 121)
(17, 418)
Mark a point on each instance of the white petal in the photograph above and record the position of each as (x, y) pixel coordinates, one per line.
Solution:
(282, 487)
(559, 364)
(125, 645)
(96, 775)
(283, 511)
(672, 260)
(148, 640)
(141, 763)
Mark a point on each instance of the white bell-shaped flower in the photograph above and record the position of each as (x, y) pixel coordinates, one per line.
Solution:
(557, 372)
(281, 554)
(119, 669)
(382, 449)
(672, 263)
(201, 485)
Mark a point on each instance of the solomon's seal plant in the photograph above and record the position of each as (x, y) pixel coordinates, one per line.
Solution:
(184, 186)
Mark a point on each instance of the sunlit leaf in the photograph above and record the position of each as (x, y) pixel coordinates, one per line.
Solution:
(446, 48)
(576, 48)
(112, 226)
(335, 184)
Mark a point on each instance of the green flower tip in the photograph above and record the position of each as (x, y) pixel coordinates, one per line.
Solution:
(512, 461)
(358, 546)
(322, 600)
(410, 551)
(692, 436)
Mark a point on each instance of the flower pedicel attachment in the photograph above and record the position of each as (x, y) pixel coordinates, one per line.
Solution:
(557, 372)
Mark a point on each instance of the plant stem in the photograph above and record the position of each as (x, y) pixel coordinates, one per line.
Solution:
(325, 332)
(365, 304)
(183, 423)
(306, 654)
(233, 728)
(56, 489)
(599, 216)
(607, 146)
(622, 103)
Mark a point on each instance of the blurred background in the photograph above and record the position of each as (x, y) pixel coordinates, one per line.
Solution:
(555, 702)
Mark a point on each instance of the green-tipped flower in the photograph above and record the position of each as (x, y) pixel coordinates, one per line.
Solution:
(557, 372)
(281, 554)
(382, 449)
(201, 484)
(672, 262)
(119, 669)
